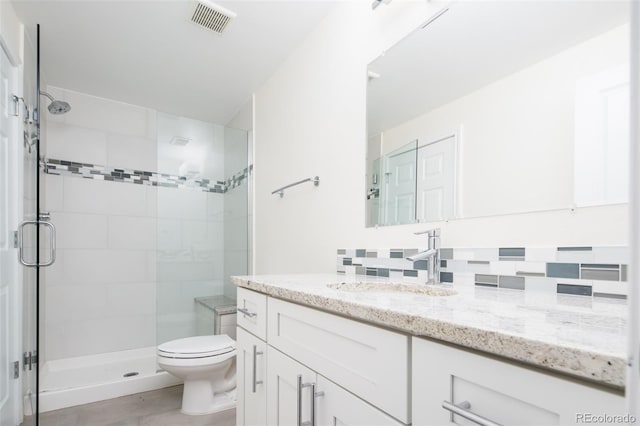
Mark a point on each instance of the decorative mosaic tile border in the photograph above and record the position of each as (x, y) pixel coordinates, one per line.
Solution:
(140, 177)
(587, 271)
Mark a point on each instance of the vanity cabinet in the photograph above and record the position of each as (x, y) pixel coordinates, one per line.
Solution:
(295, 390)
(251, 371)
(499, 391)
(331, 370)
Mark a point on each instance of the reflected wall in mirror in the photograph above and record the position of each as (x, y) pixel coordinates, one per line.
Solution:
(510, 107)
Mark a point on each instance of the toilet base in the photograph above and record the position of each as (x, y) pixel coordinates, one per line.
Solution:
(198, 398)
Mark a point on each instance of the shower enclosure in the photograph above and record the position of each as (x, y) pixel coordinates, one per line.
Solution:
(148, 213)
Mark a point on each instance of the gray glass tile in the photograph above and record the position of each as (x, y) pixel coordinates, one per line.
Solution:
(396, 254)
(563, 270)
(443, 263)
(610, 295)
(581, 290)
(600, 274)
(511, 252)
(600, 265)
(478, 262)
(342, 251)
(575, 248)
(372, 254)
(529, 274)
(487, 279)
(446, 277)
(383, 272)
(361, 270)
(623, 272)
(422, 265)
(372, 272)
(446, 253)
(516, 283)
(410, 252)
(410, 273)
(487, 285)
(346, 261)
(361, 252)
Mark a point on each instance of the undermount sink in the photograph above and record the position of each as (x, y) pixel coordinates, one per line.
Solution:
(427, 290)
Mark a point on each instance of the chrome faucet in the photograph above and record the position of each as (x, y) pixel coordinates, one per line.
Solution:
(432, 254)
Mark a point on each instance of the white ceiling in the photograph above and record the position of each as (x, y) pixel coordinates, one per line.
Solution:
(149, 53)
(473, 44)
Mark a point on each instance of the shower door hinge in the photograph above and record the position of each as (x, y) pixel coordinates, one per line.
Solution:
(30, 360)
(16, 369)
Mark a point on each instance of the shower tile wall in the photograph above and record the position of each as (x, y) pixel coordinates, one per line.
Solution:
(99, 296)
(132, 258)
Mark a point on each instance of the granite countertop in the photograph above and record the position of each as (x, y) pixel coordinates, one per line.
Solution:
(574, 335)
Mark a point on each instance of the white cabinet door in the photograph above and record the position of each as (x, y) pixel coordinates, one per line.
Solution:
(284, 393)
(338, 407)
(251, 379)
(497, 390)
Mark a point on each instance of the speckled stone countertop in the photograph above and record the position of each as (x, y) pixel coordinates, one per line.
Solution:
(574, 335)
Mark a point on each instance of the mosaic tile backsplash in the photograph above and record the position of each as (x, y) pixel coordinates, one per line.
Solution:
(140, 177)
(586, 271)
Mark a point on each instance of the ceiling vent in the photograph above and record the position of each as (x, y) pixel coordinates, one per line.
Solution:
(212, 16)
(179, 141)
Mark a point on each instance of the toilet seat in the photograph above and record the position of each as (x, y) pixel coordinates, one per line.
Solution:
(197, 347)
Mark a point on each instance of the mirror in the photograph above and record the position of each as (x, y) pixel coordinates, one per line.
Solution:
(494, 108)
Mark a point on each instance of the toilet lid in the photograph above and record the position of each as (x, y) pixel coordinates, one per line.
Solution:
(197, 347)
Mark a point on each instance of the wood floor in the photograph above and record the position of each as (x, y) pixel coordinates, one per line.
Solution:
(156, 408)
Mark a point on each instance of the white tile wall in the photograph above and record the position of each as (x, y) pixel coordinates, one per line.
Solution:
(80, 230)
(130, 232)
(74, 143)
(131, 258)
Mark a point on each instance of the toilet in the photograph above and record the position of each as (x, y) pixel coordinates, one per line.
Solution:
(207, 365)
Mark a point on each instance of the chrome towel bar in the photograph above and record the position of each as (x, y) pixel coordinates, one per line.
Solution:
(315, 180)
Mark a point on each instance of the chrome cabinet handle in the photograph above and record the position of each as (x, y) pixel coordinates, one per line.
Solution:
(246, 312)
(313, 395)
(52, 243)
(462, 410)
(299, 402)
(255, 358)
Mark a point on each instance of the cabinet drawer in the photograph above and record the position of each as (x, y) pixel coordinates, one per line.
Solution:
(252, 312)
(497, 390)
(366, 360)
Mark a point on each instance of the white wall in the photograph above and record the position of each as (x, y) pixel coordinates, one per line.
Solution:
(310, 120)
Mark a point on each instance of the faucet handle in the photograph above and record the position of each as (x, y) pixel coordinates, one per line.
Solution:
(435, 232)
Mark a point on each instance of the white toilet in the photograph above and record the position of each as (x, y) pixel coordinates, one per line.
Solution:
(207, 364)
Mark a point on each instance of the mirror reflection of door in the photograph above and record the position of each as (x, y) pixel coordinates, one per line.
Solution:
(400, 182)
(435, 186)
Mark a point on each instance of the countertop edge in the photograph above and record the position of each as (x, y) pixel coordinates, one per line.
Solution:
(595, 367)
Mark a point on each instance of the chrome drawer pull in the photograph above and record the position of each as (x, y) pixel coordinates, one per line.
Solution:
(462, 411)
(255, 359)
(247, 313)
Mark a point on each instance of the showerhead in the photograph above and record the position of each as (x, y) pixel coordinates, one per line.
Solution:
(56, 106)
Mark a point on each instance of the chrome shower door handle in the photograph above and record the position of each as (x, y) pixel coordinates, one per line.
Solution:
(255, 366)
(52, 243)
